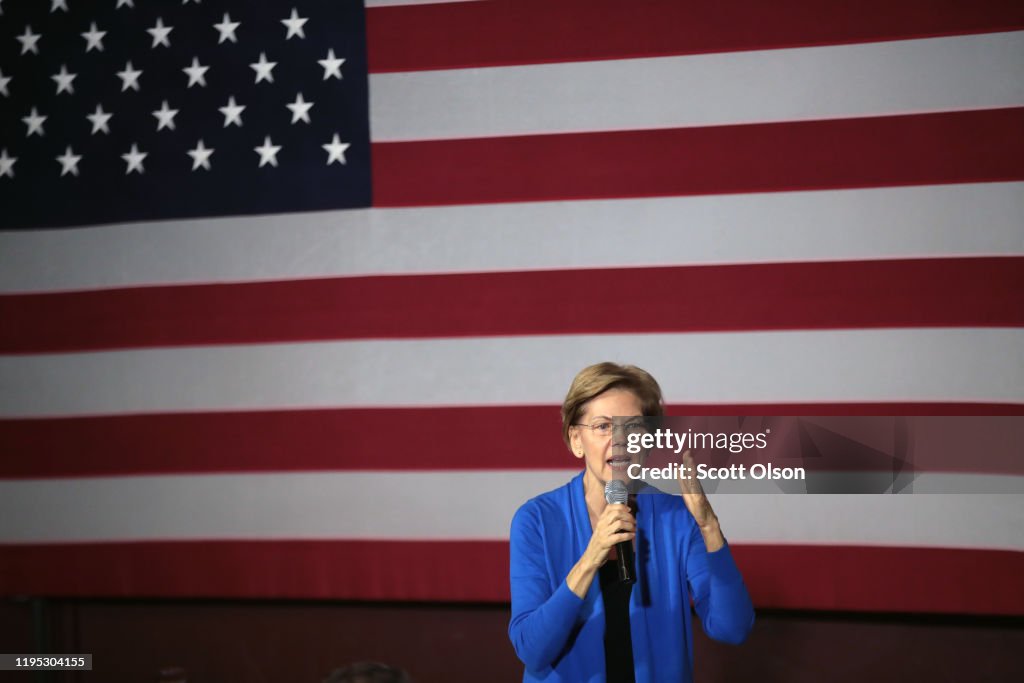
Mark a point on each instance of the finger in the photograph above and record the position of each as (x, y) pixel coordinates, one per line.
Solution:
(692, 484)
(619, 523)
(688, 458)
(619, 538)
(612, 516)
(613, 524)
(625, 514)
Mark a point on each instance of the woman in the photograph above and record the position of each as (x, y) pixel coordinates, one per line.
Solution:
(564, 587)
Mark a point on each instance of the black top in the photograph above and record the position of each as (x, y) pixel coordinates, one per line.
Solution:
(618, 643)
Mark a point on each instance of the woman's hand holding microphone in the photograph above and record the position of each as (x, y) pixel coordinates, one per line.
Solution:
(616, 524)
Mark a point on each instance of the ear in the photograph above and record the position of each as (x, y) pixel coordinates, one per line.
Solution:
(576, 442)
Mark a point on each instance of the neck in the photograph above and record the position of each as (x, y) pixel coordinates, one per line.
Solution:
(593, 493)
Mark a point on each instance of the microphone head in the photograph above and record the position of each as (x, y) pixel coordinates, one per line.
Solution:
(616, 493)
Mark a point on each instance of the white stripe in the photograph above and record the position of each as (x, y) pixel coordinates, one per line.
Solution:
(929, 364)
(478, 505)
(899, 222)
(870, 79)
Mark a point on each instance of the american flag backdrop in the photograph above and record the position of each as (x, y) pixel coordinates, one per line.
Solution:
(290, 292)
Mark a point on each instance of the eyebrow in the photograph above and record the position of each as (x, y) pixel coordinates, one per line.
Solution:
(607, 417)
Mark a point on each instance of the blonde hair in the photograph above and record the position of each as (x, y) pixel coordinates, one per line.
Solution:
(594, 380)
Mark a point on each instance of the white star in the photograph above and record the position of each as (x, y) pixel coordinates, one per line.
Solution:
(300, 109)
(232, 113)
(263, 69)
(99, 120)
(121, 3)
(160, 33)
(134, 159)
(227, 29)
(64, 80)
(94, 38)
(28, 41)
(336, 150)
(129, 77)
(34, 122)
(69, 162)
(196, 73)
(200, 156)
(331, 65)
(6, 164)
(268, 152)
(58, 4)
(294, 24)
(165, 116)
(4, 80)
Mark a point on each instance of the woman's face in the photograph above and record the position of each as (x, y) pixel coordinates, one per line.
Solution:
(605, 457)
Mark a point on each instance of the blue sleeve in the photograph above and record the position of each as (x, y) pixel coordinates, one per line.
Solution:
(719, 594)
(542, 619)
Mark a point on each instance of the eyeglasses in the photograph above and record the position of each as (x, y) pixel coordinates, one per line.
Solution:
(604, 428)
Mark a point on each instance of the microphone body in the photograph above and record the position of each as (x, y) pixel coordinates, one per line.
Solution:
(616, 493)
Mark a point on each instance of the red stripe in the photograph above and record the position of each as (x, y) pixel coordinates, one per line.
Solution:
(877, 579)
(956, 581)
(363, 570)
(969, 292)
(350, 439)
(533, 31)
(951, 147)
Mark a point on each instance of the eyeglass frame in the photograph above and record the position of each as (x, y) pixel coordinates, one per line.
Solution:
(621, 426)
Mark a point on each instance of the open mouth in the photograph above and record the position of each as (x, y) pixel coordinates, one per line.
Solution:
(619, 462)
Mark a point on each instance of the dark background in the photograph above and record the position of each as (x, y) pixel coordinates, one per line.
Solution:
(255, 641)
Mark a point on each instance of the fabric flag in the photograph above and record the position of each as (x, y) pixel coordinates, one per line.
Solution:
(290, 293)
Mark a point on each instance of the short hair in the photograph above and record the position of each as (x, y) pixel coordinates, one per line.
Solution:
(368, 672)
(594, 380)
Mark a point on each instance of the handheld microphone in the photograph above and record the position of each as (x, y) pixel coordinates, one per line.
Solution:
(616, 493)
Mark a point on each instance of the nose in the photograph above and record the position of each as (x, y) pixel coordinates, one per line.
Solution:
(618, 435)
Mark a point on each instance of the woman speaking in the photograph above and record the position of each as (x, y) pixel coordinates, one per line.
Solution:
(574, 618)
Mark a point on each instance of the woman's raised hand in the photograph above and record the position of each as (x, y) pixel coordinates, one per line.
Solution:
(699, 506)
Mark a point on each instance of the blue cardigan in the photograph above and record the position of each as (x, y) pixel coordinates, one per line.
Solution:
(560, 637)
